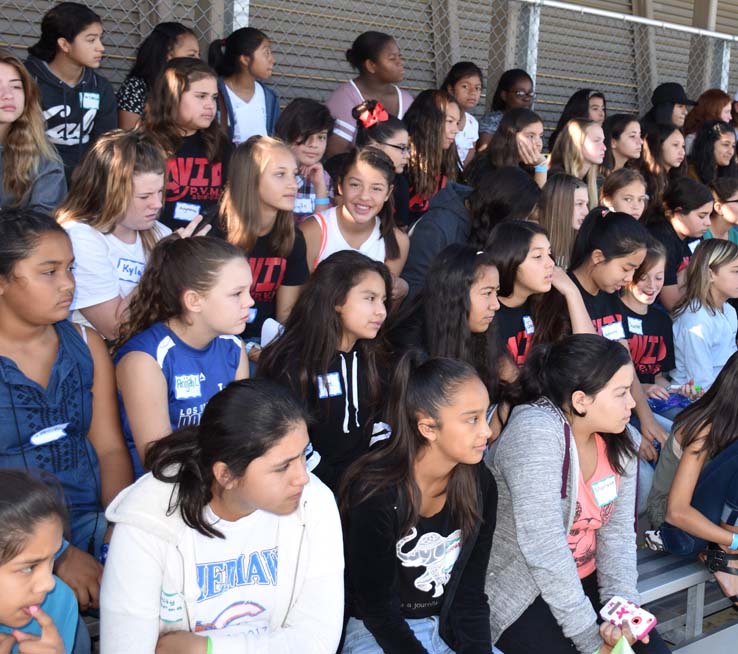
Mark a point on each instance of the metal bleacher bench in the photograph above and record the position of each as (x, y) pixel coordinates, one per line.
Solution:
(662, 575)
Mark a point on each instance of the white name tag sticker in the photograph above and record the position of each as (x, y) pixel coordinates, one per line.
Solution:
(605, 491)
(187, 386)
(329, 385)
(635, 326)
(614, 331)
(528, 325)
(130, 270)
(171, 607)
(89, 100)
(50, 434)
(303, 205)
(186, 211)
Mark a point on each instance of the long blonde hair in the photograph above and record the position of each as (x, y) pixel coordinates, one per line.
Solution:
(566, 155)
(555, 211)
(710, 255)
(240, 206)
(26, 144)
(102, 186)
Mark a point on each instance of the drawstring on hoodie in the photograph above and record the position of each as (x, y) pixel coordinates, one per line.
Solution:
(354, 391)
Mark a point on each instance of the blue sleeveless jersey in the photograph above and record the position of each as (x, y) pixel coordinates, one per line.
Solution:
(44, 430)
(193, 376)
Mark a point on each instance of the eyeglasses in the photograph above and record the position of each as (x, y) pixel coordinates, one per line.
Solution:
(526, 94)
(404, 149)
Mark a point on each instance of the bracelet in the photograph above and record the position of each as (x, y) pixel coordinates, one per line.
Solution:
(734, 544)
(541, 167)
(321, 202)
(210, 646)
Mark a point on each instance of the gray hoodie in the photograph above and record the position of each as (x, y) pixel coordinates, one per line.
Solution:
(530, 554)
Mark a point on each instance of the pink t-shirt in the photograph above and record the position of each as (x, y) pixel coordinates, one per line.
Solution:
(595, 503)
(346, 97)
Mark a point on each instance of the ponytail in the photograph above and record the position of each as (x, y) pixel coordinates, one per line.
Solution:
(614, 233)
(176, 264)
(374, 125)
(224, 54)
(420, 386)
(239, 424)
(582, 362)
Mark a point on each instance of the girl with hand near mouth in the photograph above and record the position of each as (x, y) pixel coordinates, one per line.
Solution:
(38, 609)
(246, 106)
(78, 103)
(305, 126)
(180, 116)
(31, 172)
(418, 518)
(179, 345)
(684, 219)
(257, 211)
(332, 357)
(363, 221)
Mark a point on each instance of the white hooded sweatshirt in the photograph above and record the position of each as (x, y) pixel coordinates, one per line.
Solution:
(150, 584)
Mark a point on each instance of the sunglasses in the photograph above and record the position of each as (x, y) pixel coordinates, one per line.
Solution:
(526, 94)
(404, 149)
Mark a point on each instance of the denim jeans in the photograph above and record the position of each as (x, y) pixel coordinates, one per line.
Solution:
(88, 530)
(359, 640)
(715, 496)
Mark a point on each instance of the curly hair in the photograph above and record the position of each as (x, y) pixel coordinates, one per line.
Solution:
(176, 264)
(26, 144)
(426, 125)
(702, 158)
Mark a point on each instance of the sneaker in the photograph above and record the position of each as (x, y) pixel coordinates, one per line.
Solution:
(654, 541)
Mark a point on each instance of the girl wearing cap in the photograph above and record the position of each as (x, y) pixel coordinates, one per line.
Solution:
(670, 103)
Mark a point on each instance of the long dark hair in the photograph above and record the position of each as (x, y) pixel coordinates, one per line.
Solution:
(714, 416)
(503, 149)
(614, 126)
(577, 106)
(446, 303)
(382, 163)
(151, 56)
(63, 21)
(160, 115)
(239, 424)
(653, 167)
(313, 330)
(420, 386)
(381, 131)
(500, 195)
(508, 245)
(24, 502)
(582, 362)
(683, 195)
(703, 152)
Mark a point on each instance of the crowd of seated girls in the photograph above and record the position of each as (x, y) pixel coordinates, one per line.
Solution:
(385, 373)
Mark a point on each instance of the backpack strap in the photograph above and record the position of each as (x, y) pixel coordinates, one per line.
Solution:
(567, 460)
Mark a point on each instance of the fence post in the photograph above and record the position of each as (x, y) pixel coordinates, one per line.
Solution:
(445, 20)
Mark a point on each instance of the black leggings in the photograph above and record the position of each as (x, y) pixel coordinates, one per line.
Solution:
(536, 630)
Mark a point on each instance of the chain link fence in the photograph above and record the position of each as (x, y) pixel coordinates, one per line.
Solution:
(564, 47)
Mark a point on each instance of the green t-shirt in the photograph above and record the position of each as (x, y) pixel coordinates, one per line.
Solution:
(732, 235)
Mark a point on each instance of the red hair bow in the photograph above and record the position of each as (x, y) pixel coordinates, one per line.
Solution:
(370, 118)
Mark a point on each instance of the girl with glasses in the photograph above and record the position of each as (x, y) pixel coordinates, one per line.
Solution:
(514, 90)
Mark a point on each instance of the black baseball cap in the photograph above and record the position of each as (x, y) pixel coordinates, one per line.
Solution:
(670, 92)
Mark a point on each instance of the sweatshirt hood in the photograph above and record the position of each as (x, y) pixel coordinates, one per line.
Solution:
(41, 71)
(451, 198)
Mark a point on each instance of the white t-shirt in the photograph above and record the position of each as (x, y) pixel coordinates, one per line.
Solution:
(703, 342)
(467, 138)
(237, 575)
(251, 116)
(105, 267)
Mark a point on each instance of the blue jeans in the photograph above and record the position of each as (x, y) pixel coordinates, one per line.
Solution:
(715, 496)
(88, 529)
(359, 639)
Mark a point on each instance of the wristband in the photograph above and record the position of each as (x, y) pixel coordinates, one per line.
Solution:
(210, 646)
(734, 544)
(322, 202)
(541, 167)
